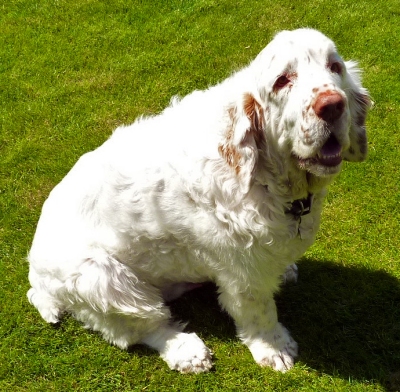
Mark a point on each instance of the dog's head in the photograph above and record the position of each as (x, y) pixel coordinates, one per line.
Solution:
(307, 104)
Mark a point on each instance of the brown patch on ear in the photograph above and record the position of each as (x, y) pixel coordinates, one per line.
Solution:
(232, 115)
(249, 105)
(227, 150)
(253, 135)
(231, 156)
(255, 114)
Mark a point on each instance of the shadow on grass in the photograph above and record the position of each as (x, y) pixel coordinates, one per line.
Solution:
(345, 319)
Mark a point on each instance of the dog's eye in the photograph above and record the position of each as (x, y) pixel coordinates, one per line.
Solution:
(281, 82)
(336, 67)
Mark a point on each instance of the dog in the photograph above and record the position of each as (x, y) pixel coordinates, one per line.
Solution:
(225, 185)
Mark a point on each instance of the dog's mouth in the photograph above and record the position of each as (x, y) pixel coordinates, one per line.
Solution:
(329, 156)
(331, 152)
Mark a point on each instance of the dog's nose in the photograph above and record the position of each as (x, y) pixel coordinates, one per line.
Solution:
(329, 106)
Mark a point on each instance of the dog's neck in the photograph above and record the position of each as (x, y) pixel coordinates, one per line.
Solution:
(290, 183)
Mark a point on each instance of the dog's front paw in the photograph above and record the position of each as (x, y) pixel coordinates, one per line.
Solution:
(188, 354)
(276, 349)
(281, 360)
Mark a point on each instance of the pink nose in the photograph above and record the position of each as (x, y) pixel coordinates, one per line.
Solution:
(329, 106)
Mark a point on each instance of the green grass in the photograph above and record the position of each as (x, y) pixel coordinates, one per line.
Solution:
(71, 71)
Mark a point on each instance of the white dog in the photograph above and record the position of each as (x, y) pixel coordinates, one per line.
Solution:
(225, 185)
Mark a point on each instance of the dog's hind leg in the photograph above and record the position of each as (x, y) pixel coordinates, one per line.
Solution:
(48, 306)
(108, 296)
(104, 294)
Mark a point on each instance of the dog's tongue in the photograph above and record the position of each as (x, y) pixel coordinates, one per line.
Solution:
(330, 154)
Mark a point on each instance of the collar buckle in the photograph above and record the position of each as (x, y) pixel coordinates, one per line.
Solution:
(301, 207)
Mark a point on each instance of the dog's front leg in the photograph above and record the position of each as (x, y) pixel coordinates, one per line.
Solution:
(257, 325)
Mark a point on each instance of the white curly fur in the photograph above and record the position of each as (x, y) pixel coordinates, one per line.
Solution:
(200, 193)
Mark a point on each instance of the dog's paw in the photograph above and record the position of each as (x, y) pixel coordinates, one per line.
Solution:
(46, 306)
(276, 349)
(280, 360)
(188, 354)
(291, 274)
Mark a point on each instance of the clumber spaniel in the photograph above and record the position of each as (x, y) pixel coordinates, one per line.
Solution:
(225, 185)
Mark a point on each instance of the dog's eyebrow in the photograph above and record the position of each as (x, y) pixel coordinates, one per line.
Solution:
(334, 56)
(290, 67)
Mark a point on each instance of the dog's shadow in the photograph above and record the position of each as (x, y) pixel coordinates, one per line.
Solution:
(345, 319)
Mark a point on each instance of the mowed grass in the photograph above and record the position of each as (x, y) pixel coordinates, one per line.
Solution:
(71, 71)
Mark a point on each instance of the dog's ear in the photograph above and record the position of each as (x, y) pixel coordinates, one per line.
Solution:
(244, 136)
(359, 103)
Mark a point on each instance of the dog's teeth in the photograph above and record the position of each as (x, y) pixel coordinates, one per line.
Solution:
(328, 156)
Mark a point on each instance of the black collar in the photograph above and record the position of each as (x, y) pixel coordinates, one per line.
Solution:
(301, 207)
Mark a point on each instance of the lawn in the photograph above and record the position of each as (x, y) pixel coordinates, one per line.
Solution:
(71, 71)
